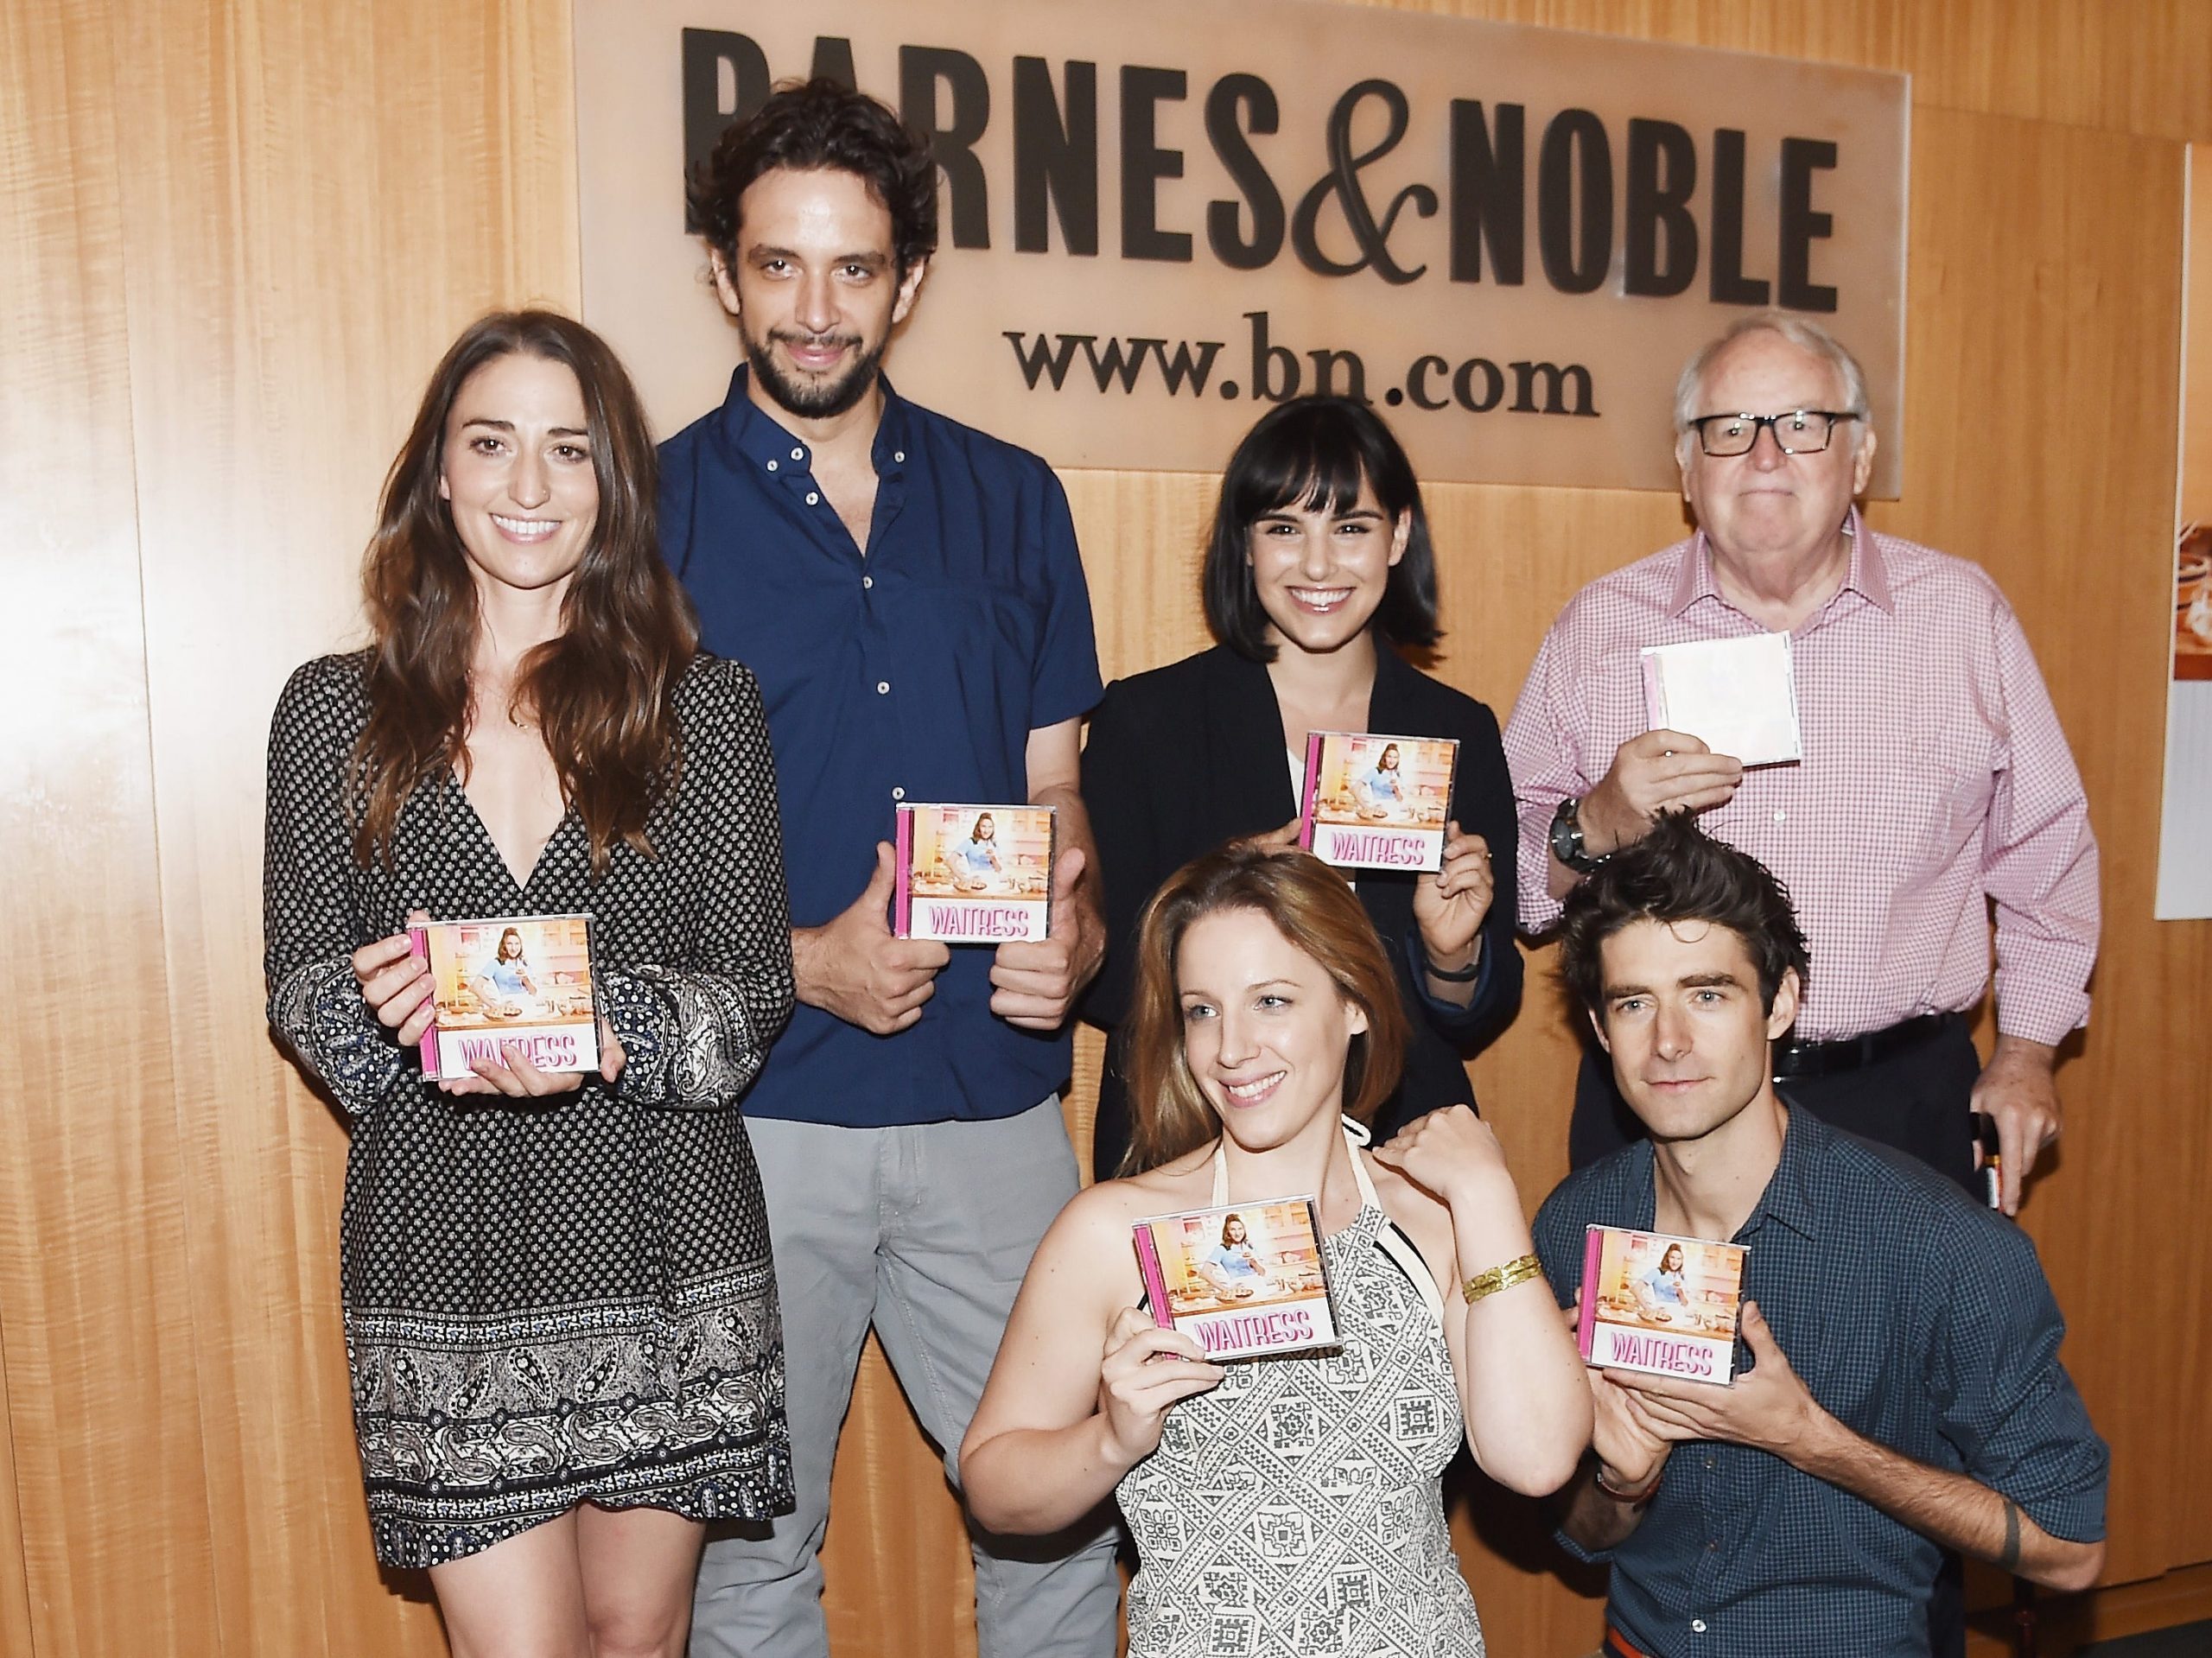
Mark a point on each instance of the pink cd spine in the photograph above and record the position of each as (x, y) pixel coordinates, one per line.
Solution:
(1593, 1251)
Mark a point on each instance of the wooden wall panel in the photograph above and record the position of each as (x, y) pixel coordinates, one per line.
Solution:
(2196, 439)
(314, 216)
(2065, 497)
(2134, 66)
(108, 1463)
(2190, 1515)
(246, 228)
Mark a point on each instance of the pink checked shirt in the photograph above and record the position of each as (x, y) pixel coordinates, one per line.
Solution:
(1934, 773)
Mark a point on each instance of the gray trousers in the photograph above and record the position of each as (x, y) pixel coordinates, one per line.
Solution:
(926, 1233)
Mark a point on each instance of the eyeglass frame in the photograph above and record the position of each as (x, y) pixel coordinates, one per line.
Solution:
(1772, 425)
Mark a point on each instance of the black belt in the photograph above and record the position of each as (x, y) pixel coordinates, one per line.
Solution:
(1856, 1053)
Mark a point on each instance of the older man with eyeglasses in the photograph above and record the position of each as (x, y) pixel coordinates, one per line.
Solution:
(1935, 778)
(1934, 775)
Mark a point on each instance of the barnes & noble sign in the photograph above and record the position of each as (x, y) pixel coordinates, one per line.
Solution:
(1158, 218)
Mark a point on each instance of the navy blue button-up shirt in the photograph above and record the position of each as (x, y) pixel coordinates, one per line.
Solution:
(915, 673)
(1918, 1320)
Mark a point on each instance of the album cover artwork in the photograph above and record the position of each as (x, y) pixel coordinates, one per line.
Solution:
(505, 984)
(1658, 1303)
(1244, 1279)
(1376, 801)
(974, 875)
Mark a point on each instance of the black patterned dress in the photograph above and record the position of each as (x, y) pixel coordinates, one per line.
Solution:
(550, 1303)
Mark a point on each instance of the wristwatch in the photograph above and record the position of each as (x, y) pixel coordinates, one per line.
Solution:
(1567, 838)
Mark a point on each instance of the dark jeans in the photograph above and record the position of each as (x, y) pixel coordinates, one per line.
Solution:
(1917, 1103)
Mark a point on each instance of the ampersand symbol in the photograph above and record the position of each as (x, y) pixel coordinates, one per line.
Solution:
(1341, 182)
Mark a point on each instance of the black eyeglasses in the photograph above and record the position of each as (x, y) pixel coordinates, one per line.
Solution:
(1801, 431)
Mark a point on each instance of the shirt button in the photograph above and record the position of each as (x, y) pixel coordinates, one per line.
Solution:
(883, 688)
(898, 794)
(813, 499)
(1778, 813)
(798, 455)
(772, 466)
(1698, 1625)
(867, 580)
(898, 455)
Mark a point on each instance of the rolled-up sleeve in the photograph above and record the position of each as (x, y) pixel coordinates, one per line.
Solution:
(1544, 758)
(2039, 859)
(2002, 1397)
(1065, 684)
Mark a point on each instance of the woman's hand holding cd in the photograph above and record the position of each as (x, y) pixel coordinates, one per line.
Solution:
(1279, 840)
(397, 983)
(1146, 1369)
(518, 1079)
(1449, 906)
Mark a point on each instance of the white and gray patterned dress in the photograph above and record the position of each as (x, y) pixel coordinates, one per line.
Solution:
(550, 1303)
(1297, 1510)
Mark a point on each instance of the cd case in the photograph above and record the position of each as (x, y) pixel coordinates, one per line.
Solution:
(1376, 801)
(1651, 1302)
(972, 875)
(507, 982)
(1244, 1279)
(1737, 696)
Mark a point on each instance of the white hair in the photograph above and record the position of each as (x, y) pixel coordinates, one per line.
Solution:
(1806, 336)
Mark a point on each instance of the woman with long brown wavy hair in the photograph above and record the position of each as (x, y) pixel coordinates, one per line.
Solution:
(1266, 1028)
(559, 1313)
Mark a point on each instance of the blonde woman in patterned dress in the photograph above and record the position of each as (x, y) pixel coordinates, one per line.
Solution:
(561, 1318)
(1290, 1505)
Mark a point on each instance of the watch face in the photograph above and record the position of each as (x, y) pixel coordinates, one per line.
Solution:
(1567, 836)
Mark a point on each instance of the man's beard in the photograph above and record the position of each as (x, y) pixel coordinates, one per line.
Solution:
(821, 400)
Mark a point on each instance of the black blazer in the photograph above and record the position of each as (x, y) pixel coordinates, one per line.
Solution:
(1186, 756)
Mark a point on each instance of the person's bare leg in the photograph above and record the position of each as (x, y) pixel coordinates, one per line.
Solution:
(638, 1565)
(521, 1599)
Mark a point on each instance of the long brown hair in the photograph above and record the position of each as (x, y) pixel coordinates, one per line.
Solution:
(1310, 905)
(603, 692)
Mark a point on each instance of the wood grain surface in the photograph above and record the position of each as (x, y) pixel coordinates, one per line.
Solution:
(237, 233)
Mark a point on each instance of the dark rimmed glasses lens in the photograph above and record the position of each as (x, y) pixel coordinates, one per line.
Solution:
(1800, 431)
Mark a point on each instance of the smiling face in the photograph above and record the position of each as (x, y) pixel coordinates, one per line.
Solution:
(1672, 1261)
(1682, 1020)
(1265, 1029)
(1764, 506)
(985, 829)
(515, 469)
(1320, 575)
(815, 289)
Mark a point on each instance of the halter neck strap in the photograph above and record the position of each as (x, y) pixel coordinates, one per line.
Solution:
(1355, 1136)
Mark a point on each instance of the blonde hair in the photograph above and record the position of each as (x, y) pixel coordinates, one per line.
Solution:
(1309, 903)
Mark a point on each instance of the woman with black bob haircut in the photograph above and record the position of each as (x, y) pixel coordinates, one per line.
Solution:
(1318, 568)
(1317, 453)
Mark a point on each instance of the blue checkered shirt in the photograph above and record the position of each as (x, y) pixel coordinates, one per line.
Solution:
(1918, 1320)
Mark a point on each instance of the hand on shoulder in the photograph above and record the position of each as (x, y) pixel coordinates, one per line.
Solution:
(1451, 1155)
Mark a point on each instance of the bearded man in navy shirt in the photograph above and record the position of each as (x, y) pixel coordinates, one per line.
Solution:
(909, 594)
